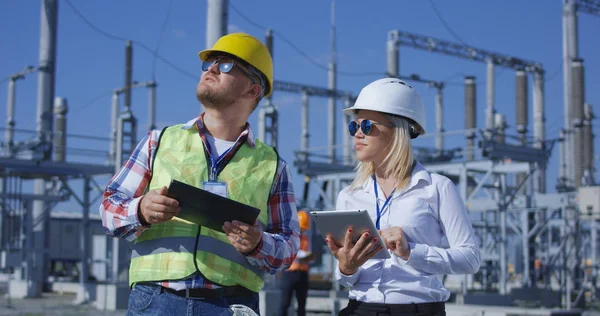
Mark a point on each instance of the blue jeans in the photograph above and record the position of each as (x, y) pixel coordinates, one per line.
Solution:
(150, 300)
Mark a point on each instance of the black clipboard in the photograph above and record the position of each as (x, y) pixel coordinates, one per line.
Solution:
(208, 209)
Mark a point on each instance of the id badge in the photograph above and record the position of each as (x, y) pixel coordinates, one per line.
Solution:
(219, 188)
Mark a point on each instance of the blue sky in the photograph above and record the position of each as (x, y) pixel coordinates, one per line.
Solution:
(90, 65)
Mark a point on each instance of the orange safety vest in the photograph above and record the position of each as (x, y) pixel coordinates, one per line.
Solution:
(304, 245)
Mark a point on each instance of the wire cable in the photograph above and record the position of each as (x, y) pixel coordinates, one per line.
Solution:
(95, 99)
(554, 74)
(448, 28)
(140, 44)
(160, 37)
(300, 51)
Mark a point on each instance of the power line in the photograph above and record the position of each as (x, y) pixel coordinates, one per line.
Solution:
(448, 28)
(554, 74)
(162, 32)
(196, 77)
(140, 44)
(96, 98)
(90, 24)
(300, 51)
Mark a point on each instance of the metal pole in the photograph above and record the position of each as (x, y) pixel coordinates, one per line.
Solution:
(577, 101)
(463, 187)
(261, 124)
(570, 51)
(47, 60)
(346, 140)
(470, 116)
(268, 113)
(526, 281)
(152, 105)
(539, 126)
(3, 213)
(393, 56)
(562, 171)
(85, 240)
(45, 97)
(118, 163)
(588, 143)
(500, 127)
(128, 74)
(60, 135)
(522, 111)
(503, 239)
(216, 24)
(10, 113)
(594, 250)
(489, 112)
(521, 102)
(114, 118)
(332, 86)
(269, 44)
(335, 187)
(33, 289)
(10, 105)
(216, 21)
(305, 134)
(439, 120)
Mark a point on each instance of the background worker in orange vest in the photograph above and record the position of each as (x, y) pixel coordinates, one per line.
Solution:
(295, 279)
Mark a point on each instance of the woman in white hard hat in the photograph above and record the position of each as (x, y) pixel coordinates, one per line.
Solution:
(420, 215)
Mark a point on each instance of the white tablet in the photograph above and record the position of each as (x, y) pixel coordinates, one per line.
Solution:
(336, 223)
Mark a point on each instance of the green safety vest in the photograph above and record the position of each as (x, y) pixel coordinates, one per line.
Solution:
(172, 250)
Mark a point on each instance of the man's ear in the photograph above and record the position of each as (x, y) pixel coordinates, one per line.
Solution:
(255, 91)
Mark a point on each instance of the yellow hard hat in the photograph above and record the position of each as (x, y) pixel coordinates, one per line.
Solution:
(304, 220)
(249, 49)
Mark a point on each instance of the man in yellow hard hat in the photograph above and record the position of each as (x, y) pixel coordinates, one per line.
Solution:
(181, 268)
(295, 279)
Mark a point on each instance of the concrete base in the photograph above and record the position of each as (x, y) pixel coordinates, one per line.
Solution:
(535, 297)
(101, 296)
(485, 298)
(111, 297)
(17, 289)
(269, 302)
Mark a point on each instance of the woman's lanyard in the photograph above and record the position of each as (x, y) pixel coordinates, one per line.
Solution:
(379, 211)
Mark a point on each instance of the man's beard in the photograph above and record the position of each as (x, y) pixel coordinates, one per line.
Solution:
(213, 100)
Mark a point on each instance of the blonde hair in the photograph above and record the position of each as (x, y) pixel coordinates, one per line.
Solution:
(399, 160)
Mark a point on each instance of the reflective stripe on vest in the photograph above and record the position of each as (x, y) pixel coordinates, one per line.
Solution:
(186, 244)
(165, 251)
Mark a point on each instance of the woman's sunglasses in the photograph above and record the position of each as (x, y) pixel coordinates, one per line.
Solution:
(225, 65)
(365, 125)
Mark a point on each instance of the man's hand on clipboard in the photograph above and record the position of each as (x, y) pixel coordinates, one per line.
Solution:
(242, 236)
(156, 207)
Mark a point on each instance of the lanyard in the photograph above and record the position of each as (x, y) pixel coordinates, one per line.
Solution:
(217, 165)
(214, 170)
(379, 211)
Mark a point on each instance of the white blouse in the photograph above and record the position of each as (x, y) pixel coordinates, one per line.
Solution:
(439, 232)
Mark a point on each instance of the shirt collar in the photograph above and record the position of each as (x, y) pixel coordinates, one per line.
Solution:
(192, 123)
(418, 173)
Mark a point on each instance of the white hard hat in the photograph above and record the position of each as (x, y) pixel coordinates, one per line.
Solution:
(392, 96)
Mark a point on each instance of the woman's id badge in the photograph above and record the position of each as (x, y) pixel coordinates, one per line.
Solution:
(219, 188)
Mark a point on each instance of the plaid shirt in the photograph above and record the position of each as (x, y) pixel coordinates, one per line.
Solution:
(119, 206)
